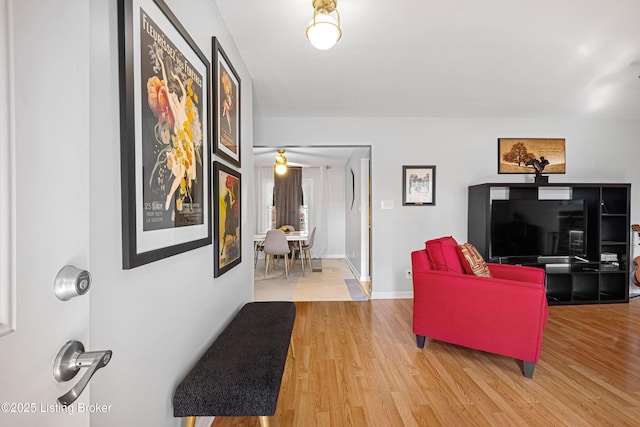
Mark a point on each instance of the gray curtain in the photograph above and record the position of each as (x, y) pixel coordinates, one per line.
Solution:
(287, 196)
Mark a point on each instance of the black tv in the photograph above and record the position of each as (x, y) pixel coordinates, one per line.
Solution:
(528, 228)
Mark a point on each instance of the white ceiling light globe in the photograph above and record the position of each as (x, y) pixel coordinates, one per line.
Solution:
(323, 31)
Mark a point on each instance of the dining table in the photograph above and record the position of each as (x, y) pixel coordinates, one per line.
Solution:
(292, 236)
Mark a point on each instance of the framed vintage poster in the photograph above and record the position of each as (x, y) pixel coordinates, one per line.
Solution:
(227, 246)
(164, 127)
(418, 185)
(226, 113)
(531, 155)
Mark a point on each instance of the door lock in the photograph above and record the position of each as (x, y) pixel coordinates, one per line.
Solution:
(71, 282)
(69, 360)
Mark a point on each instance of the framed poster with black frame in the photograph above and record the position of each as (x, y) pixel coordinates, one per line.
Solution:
(226, 214)
(226, 114)
(164, 127)
(418, 185)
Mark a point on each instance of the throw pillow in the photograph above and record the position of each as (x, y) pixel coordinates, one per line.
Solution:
(475, 260)
(443, 254)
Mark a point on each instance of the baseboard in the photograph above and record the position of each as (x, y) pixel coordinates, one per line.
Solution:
(392, 295)
(352, 267)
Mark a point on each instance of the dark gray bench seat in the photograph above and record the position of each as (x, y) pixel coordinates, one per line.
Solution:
(240, 374)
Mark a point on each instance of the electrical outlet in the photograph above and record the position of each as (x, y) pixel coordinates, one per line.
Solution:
(407, 274)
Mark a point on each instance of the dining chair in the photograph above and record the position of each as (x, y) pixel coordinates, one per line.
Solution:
(275, 243)
(258, 247)
(293, 246)
(306, 248)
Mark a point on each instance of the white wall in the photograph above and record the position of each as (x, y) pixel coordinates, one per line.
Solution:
(465, 153)
(354, 219)
(160, 317)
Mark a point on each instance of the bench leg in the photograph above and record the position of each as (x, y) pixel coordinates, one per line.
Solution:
(190, 422)
(264, 421)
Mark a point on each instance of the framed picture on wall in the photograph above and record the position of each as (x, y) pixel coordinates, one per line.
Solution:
(228, 236)
(164, 127)
(226, 113)
(526, 155)
(418, 185)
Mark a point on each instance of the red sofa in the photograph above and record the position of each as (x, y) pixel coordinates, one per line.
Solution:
(504, 314)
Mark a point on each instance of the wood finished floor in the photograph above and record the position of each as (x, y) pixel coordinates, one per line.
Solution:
(357, 365)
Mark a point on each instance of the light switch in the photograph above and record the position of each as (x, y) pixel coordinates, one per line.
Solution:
(387, 204)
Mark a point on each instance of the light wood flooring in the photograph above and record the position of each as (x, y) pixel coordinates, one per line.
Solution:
(357, 364)
(326, 285)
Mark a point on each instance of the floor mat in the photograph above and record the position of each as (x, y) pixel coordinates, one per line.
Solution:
(355, 290)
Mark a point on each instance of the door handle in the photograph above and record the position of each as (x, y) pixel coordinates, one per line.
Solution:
(69, 360)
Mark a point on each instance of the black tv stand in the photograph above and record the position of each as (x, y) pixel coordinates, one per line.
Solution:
(599, 276)
(541, 260)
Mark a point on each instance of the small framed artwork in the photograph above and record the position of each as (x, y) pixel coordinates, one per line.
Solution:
(164, 131)
(226, 95)
(227, 246)
(531, 155)
(418, 185)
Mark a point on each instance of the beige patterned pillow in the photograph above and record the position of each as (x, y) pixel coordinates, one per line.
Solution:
(475, 260)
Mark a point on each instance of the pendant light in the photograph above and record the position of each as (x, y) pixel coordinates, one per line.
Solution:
(324, 30)
(281, 163)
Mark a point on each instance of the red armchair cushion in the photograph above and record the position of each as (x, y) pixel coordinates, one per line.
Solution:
(474, 260)
(445, 254)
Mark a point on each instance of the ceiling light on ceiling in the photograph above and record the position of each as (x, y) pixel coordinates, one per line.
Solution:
(281, 163)
(324, 30)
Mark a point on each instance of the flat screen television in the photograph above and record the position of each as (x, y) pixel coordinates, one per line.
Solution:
(526, 228)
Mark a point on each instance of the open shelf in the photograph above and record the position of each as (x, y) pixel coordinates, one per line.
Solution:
(604, 277)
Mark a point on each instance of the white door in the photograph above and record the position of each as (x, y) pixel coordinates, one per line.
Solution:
(47, 119)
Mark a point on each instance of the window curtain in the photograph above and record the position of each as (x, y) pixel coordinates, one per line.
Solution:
(263, 197)
(288, 197)
(320, 244)
(320, 207)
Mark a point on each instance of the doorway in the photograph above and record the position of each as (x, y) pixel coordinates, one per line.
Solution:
(336, 200)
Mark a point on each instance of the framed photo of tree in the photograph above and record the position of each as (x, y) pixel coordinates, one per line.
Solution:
(528, 155)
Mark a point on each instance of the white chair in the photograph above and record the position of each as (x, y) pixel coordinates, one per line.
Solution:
(275, 243)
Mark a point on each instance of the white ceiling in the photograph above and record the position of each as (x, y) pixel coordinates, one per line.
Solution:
(331, 156)
(447, 58)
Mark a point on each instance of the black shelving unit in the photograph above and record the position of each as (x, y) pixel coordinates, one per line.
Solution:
(596, 278)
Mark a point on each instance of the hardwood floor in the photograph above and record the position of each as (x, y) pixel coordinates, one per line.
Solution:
(357, 364)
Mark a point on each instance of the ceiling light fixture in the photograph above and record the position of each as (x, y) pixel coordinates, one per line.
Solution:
(324, 30)
(281, 163)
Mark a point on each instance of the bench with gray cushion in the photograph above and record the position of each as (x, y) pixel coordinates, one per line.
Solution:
(240, 374)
